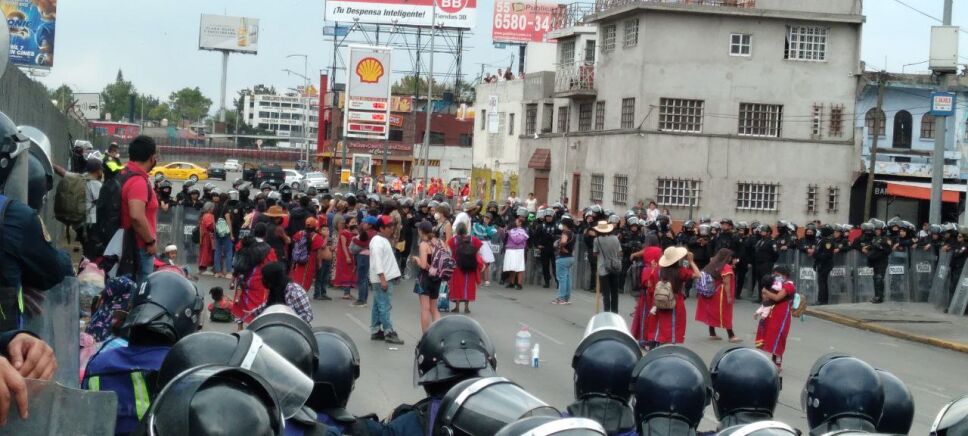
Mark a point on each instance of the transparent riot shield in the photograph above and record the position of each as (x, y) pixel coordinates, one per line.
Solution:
(581, 265)
(863, 277)
(788, 258)
(939, 286)
(59, 325)
(839, 283)
(633, 282)
(960, 299)
(532, 268)
(58, 410)
(189, 248)
(897, 282)
(922, 274)
(164, 228)
(806, 274)
(497, 248)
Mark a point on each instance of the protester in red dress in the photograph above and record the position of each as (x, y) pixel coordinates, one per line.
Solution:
(206, 239)
(669, 326)
(463, 284)
(250, 293)
(305, 274)
(345, 276)
(650, 260)
(777, 294)
(716, 311)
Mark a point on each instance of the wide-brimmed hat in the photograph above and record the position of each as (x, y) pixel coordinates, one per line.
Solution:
(672, 255)
(276, 212)
(604, 227)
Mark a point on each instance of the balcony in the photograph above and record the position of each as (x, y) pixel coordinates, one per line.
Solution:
(575, 80)
(605, 5)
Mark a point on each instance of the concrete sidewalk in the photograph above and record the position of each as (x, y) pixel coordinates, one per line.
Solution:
(918, 322)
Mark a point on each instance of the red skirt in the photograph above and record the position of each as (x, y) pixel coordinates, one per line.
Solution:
(717, 311)
(463, 285)
(641, 317)
(668, 326)
(771, 334)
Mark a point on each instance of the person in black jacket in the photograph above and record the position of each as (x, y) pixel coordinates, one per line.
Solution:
(959, 253)
(545, 234)
(743, 257)
(764, 255)
(823, 256)
(877, 249)
(588, 234)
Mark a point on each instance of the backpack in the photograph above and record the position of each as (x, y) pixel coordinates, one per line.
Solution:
(441, 263)
(663, 297)
(108, 205)
(466, 254)
(220, 314)
(70, 205)
(705, 286)
(300, 249)
(612, 265)
(800, 305)
(222, 229)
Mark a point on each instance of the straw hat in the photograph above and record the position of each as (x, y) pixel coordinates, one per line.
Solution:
(604, 227)
(672, 255)
(276, 212)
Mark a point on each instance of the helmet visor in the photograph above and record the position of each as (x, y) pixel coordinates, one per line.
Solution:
(292, 387)
(488, 404)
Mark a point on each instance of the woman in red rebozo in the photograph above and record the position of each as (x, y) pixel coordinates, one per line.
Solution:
(717, 311)
(206, 236)
(650, 260)
(669, 326)
(771, 334)
(305, 274)
(345, 276)
(463, 284)
(250, 293)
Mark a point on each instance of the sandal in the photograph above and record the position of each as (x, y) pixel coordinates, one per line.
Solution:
(467, 310)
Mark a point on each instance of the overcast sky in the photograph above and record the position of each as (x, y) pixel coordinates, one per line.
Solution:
(155, 42)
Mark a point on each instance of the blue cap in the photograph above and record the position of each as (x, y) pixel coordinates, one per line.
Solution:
(370, 220)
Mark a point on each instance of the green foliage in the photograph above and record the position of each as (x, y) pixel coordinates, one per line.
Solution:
(189, 104)
(115, 97)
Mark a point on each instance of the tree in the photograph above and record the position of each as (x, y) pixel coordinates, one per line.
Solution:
(64, 96)
(116, 96)
(158, 112)
(407, 84)
(189, 103)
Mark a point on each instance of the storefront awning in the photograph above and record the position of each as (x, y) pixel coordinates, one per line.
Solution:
(922, 191)
(541, 159)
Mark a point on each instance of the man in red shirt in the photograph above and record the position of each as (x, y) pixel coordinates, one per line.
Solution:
(139, 204)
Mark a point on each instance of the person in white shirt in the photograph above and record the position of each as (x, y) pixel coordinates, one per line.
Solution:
(464, 216)
(531, 203)
(383, 273)
(513, 199)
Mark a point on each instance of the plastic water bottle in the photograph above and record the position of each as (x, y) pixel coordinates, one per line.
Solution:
(535, 356)
(522, 347)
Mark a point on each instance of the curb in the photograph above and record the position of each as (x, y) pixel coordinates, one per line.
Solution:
(872, 327)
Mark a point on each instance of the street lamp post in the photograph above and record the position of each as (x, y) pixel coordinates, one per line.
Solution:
(304, 101)
(430, 93)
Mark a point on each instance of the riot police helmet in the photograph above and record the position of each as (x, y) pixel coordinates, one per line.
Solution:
(878, 224)
(792, 228)
(632, 221)
(215, 400)
(289, 335)
(596, 209)
(895, 221)
(208, 186)
(540, 214)
(704, 230)
(588, 213)
(742, 225)
(159, 177)
(934, 229)
(188, 184)
(664, 223)
(567, 220)
(765, 228)
(164, 310)
(613, 219)
(608, 212)
(867, 227)
(831, 404)
(828, 229)
(760, 428)
(285, 190)
(165, 184)
(491, 204)
(705, 219)
(407, 202)
(483, 406)
(715, 225)
(754, 224)
(215, 192)
(746, 385)
(629, 213)
(810, 226)
(952, 419)
(898, 413)
(672, 387)
(237, 182)
(604, 359)
(13, 143)
(264, 186)
(522, 212)
(312, 192)
(453, 348)
(689, 225)
(907, 225)
(194, 191)
(274, 196)
(551, 426)
(557, 205)
(336, 371)
(432, 204)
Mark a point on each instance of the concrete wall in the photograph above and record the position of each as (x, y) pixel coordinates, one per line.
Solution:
(451, 161)
(818, 6)
(539, 56)
(501, 146)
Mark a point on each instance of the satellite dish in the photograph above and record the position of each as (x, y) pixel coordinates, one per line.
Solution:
(4, 42)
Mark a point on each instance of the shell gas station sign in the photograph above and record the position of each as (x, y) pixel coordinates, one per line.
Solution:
(368, 93)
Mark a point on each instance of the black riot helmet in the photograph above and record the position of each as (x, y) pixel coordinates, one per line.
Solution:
(760, 428)
(689, 225)
(832, 404)
(289, 335)
(898, 413)
(746, 385)
(337, 369)
(482, 406)
(765, 228)
(663, 224)
(215, 400)
(165, 309)
(604, 359)
(952, 419)
(454, 348)
(672, 387)
(549, 426)
(187, 184)
(13, 144)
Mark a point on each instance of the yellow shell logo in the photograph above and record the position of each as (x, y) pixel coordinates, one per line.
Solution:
(369, 70)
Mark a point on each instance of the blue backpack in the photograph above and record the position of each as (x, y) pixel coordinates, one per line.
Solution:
(705, 286)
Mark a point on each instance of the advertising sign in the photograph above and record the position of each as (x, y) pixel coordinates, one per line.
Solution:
(235, 34)
(372, 117)
(525, 21)
(368, 93)
(458, 14)
(31, 25)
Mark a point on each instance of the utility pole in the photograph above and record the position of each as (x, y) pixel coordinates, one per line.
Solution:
(876, 133)
(937, 158)
(430, 100)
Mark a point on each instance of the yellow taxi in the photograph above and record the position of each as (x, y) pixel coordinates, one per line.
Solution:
(181, 171)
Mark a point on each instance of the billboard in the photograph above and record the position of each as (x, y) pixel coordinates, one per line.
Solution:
(368, 93)
(459, 14)
(31, 25)
(236, 34)
(525, 21)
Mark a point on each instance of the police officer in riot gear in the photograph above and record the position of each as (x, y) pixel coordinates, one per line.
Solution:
(823, 258)
(545, 234)
(672, 387)
(742, 255)
(335, 376)
(831, 404)
(588, 234)
(183, 195)
(898, 413)
(663, 231)
(687, 233)
(549, 426)
(165, 200)
(764, 256)
(786, 238)
(933, 242)
(467, 409)
(877, 249)
(746, 385)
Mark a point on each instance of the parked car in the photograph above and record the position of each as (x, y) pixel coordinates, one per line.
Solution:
(317, 180)
(217, 171)
(273, 174)
(294, 179)
(232, 165)
(181, 171)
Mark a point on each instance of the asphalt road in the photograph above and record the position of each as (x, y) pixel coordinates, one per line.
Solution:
(934, 375)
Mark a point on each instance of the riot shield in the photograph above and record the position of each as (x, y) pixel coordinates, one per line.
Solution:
(189, 248)
(55, 409)
(532, 265)
(922, 274)
(806, 275)
(960, 299)
(939, 286)
(633, 282)
(59, 325)
(863, 277)
(897, 283)
(163, 229)
(497, 247)
(581, 265)
(839, 283)
(788, 258)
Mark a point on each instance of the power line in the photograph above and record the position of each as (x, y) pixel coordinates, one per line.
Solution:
(925, 14)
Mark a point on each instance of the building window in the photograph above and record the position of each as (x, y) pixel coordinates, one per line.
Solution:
(584, 117)
(568, 52)
(812, 199)
(483, 119)
(680, 115)
(816, 122)
(590, 52)
(757, 196)
(620, 189)
(530, 119)
(608, 38)
(757, 119)
(927, 126)
(902, 129)
(598, 187)
(395, 135)
(836, 121)
(628, 113)
(869, 121)
(466, 139)
(436, 138)
(677, 192)
(806, 43)
(833, 199)
(740, 44)
(599, 115)
(510, 124)
(546, 123)
(631, 33)
(563, 121)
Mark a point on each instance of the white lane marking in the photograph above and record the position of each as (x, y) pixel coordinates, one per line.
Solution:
(889, 344)
(929, 392)
(357, 321)
(542, 334)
